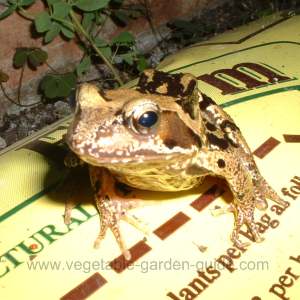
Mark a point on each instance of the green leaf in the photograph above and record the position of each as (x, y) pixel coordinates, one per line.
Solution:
(49, 86)
(67, 83)
(124, 37)
(58, 86)
(127, 57)
(51, 2)
(142, 64)
(106, 51)
(70, 79)
(91, 5)
(83, 66)
(67, 31)
(87, 20)
(37, 57)
(7, 12)
(61, 10)
(121, 16)
(100, 42)
(52, 33)
(20, 57)
(42, 22)
(3, 77)
(26, 2)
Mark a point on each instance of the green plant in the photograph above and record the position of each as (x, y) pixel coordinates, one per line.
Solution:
(30, 57)
(81, 20)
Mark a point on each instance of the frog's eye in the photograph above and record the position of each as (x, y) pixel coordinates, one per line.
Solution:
(148, 119)
(145, 120)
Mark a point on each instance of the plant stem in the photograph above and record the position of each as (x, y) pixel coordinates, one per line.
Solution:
(20, 84)
(81, 30)
(25, 14)
(13, 101)
(31, 17)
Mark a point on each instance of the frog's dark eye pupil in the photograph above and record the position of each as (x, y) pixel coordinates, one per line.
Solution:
(148, 119)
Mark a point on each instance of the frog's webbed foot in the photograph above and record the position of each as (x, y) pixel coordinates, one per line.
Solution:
(250, 191)
(112, 209)
(111, 212)
(246, 202)
(244, 215)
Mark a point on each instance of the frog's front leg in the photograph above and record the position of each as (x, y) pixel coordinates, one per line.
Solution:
(229, 165)
(112, 208)
(244, 203)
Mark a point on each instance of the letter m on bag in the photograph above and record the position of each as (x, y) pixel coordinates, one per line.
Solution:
(242, 77)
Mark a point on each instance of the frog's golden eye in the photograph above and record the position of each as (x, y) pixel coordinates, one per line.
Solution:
(144, 120)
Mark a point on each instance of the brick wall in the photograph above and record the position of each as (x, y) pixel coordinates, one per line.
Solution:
(15, 31)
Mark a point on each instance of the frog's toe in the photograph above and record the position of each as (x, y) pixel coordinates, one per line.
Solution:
(236, 241)
(245, 216)
(113, 225)
(67, 218)
(239, 244)
(68, 211)
(268, 192)
(119, 238)
(112, 211)
(259, 239)
(102, 233)
(261, 203)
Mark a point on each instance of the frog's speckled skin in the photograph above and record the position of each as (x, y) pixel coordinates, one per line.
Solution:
(193, 137)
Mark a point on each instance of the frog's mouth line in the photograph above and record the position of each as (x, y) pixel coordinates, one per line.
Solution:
(139, 160)
(147, 156)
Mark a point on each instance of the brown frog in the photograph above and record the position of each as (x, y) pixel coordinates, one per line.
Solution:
(164, 135)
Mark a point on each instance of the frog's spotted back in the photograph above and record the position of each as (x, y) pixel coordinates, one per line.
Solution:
(181, 87)
(174, 85)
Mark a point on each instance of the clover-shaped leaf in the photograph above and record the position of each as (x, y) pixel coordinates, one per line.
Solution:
(42, 22)
(20, 57)
(91, 5)
(58, 85)
(124, 38)
(37, 57)
(33, 57)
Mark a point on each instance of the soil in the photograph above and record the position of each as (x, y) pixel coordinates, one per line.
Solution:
(19, 123)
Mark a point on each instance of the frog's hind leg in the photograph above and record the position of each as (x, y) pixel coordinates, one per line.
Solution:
(113, 208)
